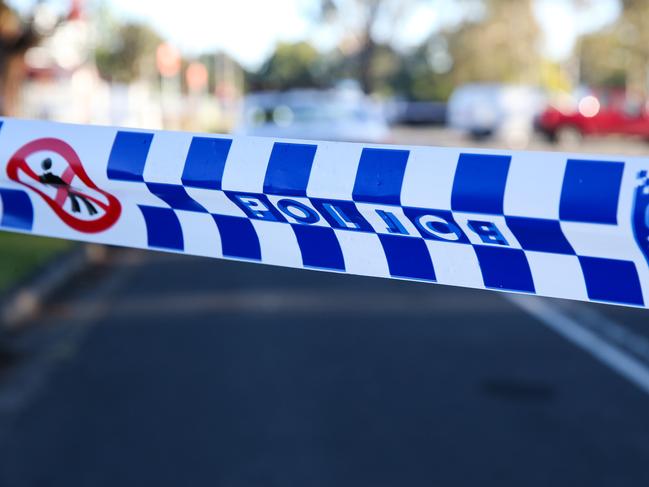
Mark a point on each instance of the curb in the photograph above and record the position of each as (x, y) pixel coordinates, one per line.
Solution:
(28, 297)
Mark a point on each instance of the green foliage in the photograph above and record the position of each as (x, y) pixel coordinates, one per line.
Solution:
(619, 55)
(290, 66)
(127, 53)
(501, 46)
(389, 72)
(22, 254)
(597, 69)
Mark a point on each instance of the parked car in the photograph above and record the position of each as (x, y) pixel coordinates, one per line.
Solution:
(402, 112)
(501, 110)
(593, 112)
(340, 115)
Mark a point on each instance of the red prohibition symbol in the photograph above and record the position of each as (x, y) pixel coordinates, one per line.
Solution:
(79, 200)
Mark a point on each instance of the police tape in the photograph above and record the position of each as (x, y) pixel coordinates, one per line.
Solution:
(552, 224)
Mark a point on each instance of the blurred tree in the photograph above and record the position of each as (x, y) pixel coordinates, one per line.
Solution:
(16, 37)
(292, 65)
(383, 68)
(618, 55)
(633, 35)
(424, 73)
(602, 60)
(502, 45)
(360, 19)
(384, 73)
(126, 52)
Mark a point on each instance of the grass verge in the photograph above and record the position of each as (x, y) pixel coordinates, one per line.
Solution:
(21, 254)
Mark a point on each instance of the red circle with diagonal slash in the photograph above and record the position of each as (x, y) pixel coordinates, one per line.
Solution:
(18, 162)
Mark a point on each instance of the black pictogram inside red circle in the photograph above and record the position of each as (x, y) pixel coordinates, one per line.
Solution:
(18, 162)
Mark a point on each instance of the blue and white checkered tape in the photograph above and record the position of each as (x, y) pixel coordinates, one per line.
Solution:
(552, 224)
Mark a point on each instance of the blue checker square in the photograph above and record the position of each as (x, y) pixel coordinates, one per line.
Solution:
(238, 237)
(17, 210)
(504, 268)
(539, 234)
(612, 281)
(319, 247)
(175, 196)
(128, 156)
(162, 227)
(205, 162)
(479, 184)
(590, 191)
(289, 169)
(380, 176)
(408, 257)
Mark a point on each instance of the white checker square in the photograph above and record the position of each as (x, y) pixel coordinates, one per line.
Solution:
(557, 275)
(278, 244)
(333, 172)
(597, 240)
(247, 163)
(166, 159)
(363, 253)
(215, 201)
(534, 185)
(135, 193)
(429, 176)
(455, 264)
(200, 234)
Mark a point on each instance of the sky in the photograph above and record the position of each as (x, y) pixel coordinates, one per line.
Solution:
(249, 29)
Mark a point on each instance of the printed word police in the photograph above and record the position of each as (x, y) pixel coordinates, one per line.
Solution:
(441, 225)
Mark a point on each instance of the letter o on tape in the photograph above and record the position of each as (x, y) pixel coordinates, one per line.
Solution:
(298, 211)
(438, 227)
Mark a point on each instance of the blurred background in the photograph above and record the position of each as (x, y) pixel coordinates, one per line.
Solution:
(144, 367)
(507, 69)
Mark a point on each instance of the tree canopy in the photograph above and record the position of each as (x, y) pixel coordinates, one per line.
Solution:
(127, 53)
(290, 65)
(619, 54)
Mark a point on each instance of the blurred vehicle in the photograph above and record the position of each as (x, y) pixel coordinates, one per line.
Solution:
(490, 109)
(592, 112)
(403, 112)
(339, 115)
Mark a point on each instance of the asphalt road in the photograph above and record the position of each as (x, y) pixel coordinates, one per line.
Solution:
(167, 370)
(172, 370)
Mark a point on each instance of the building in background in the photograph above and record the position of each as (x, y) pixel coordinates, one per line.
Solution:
(87, 67)
(63, 82)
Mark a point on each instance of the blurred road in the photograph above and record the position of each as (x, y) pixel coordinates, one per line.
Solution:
(450, 138)
(170, 370)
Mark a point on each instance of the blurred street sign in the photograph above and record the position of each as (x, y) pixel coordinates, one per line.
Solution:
(196, 77)
(168, 60)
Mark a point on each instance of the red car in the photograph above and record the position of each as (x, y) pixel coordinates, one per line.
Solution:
(594, 113)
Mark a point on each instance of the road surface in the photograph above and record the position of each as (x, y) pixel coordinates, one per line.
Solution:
(173, 370)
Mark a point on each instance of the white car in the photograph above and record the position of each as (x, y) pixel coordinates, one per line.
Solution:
(490, 109)
(313, 114)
